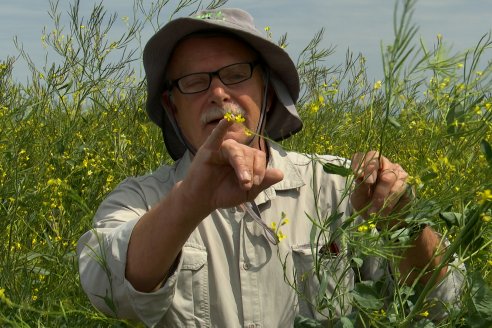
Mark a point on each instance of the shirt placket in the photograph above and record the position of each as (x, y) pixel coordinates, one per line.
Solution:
(249, 275)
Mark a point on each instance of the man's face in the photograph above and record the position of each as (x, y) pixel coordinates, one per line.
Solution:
(197, 114)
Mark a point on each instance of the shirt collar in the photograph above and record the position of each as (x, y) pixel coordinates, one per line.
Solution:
(278, 159)
(292, 178)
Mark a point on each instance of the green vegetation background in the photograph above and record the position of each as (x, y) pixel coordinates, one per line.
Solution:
(78, 127)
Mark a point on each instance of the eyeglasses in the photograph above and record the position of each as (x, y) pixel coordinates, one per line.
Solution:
(228, 75)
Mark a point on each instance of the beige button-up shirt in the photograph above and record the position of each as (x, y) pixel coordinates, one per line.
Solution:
(229, 274)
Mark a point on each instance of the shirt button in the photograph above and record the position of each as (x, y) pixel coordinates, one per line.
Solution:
(251, 325)
(232, 210)
(246, 267)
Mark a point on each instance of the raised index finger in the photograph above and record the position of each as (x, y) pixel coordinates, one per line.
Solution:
(215, 139)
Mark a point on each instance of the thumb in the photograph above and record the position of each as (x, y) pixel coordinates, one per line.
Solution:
(272, 176)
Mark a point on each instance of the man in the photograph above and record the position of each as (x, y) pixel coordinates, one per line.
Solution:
(181, 247)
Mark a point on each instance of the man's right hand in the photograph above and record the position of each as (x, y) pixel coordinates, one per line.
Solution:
(225, 173)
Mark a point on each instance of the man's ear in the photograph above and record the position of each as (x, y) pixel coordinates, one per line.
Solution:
(167, 101)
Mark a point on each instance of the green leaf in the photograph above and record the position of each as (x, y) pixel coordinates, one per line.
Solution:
(455, 115)
(323, 286)
(480, 303)
(303, 322)
(427, 176)
(65, 86)
(344, 322)
(41, 271)
(358, 261)
(366, 296)
(426, 323)
(337, 169)
(393, 121)
(451, 218)
(487, 151)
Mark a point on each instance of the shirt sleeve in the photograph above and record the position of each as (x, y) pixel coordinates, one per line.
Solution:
(102, 260)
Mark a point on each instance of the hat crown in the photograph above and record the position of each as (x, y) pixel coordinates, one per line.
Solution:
(238, 17)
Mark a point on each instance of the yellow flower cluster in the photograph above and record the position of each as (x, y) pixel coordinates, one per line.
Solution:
(276, 226)
(366, 227)
(484, 196)
(485, 217)
(238, 118)
(4, 298)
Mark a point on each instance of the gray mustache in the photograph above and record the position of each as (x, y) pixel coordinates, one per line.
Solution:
(216, 113)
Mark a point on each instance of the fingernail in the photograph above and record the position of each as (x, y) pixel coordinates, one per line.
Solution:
(256, 180)
(370, 179)
(245, 176)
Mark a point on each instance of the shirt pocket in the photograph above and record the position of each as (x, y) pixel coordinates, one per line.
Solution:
(191, 306)
(324, 294)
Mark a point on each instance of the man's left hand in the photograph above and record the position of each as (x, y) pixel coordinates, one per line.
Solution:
(380, 185)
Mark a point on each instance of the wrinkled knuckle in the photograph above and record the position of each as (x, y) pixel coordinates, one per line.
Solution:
(237, 157)
(387, 177)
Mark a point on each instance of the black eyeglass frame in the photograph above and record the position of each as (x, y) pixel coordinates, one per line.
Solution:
(175, 82)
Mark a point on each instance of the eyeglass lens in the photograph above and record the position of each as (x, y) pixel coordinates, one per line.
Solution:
(232, 74)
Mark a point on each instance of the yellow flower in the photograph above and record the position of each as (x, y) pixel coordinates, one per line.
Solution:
(363, 228)
(425, 313)
(232, 117)
(377, 85)
(248, 132)
(34, 296)
(4, 298)
(273, 225)
(281, 235)
(485, 196)
(239, 118)
(56, 181)
(314, 108)
(228, 116)
(485, 218)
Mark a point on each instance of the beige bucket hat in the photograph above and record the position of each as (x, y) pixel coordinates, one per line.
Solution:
(283, 119)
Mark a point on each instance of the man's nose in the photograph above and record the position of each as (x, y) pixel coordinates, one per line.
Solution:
(218, 90)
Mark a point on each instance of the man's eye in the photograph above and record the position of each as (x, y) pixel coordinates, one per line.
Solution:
(194, 81)
(236, 75)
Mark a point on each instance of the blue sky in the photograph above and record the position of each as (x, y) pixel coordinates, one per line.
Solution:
(358, 25)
